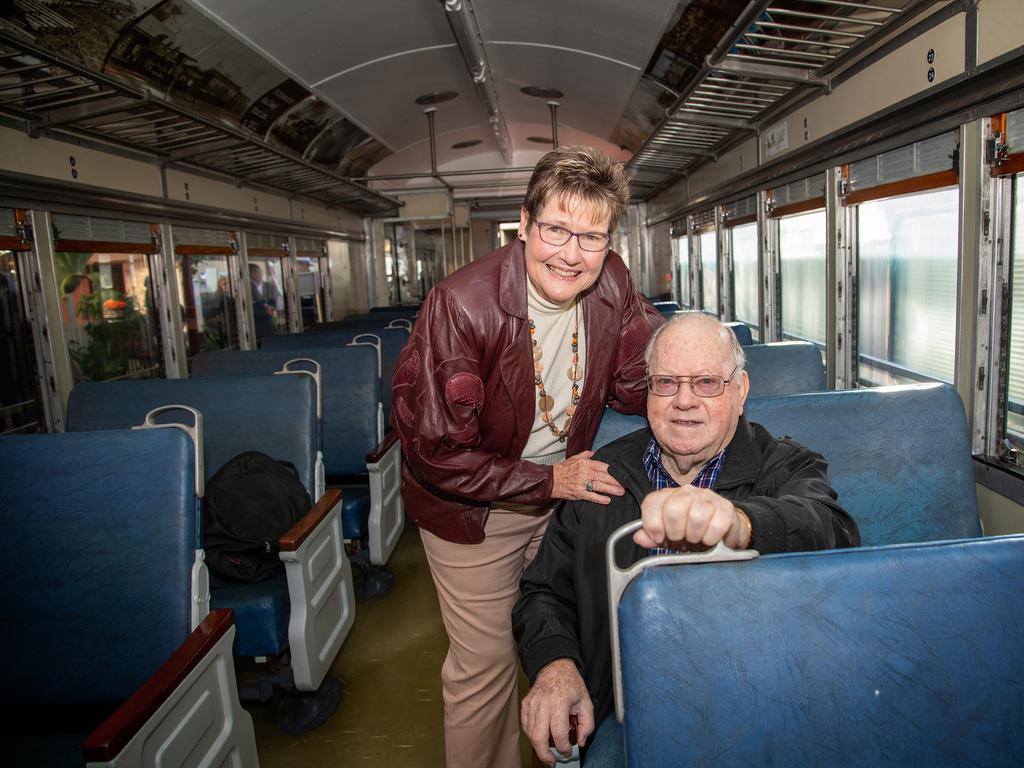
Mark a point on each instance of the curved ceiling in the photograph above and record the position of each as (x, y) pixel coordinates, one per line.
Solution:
(313, 95)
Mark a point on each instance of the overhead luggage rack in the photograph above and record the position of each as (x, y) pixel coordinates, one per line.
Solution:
(48, 93)
(777, 52)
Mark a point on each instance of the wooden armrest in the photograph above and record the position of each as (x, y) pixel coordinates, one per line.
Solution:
(374, 456)
(294, 536)
(103, 744)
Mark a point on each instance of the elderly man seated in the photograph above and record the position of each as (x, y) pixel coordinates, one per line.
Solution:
(701, 474)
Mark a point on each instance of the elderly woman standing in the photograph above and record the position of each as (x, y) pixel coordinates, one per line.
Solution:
(497, 397)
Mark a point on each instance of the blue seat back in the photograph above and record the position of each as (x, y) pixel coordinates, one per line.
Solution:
(899, 457)
(397, 311)
(272, 414)
(392, 341)
(742, 333)
(100, 532)
(784, 368)
(906, 655)
(350, 392)
(666, 307)
(614, 425)
(361, 322)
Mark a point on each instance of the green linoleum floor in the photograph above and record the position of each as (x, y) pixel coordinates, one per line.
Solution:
(390, 667)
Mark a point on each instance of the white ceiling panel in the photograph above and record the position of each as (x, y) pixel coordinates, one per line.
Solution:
(592, 103)
(625, 32)
(382, 97)
(315, 39)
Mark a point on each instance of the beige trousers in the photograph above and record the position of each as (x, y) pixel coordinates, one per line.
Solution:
(477, 586)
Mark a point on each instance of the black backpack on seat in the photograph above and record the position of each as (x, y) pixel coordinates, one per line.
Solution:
(249, 503)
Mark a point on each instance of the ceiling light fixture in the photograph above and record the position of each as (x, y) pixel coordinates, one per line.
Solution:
(429, 99)
(462, 20)
(542, 93)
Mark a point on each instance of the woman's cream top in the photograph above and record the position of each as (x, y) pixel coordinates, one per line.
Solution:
(554, 326)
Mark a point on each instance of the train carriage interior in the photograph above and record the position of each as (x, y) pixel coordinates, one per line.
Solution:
(218, 221)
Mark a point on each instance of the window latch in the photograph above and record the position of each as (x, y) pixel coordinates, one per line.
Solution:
(996, 151)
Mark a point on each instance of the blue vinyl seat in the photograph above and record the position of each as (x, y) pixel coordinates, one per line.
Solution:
(401, 310)
(103, 582)
(742, 333)
(277, 416)
(351, 429)
(784, 368)
(666, 307)
(366, 322)
(899, 457)
(389, 342)
(882, 656)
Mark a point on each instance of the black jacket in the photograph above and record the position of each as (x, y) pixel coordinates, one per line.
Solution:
(563, 609)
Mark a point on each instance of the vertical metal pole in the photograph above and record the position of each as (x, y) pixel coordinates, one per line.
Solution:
(326, 287)
(429, 112)
(763, 223)
(696, 269)
(553, 106)
(723, 241)
(168, 306)
(983, 285)
(243, 295)
(52, 358)
(291, 285)
(772, 282)
(839, 280)
(444, 250)
(372, 253)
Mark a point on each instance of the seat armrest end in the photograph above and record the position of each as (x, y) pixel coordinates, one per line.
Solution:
(292, 539)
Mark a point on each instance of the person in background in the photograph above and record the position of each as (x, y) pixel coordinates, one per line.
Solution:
(264, 301)
(497, 397)
(699, 475)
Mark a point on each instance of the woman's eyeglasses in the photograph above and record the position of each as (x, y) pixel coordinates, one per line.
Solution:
(552, 234)
(703, 385)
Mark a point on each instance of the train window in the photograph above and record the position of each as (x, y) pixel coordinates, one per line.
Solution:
(20, 398)
(709, 271)
(802, 268)
(1015, 393)
(202, 263)
(681, 253)
(109, 314)
(266, 287)
(311, 264)
(907, 283)
(211, 322)
(745, 275)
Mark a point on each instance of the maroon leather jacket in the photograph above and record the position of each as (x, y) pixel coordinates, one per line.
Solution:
(464, 397)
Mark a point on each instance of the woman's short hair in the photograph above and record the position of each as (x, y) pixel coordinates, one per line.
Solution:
(578, 174)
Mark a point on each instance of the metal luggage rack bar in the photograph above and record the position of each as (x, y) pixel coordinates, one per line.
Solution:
(777, 52)
(48, 93)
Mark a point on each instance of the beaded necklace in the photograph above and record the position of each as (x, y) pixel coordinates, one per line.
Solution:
(546, 402)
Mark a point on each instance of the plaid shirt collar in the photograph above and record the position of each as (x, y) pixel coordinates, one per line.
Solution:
(661, 479)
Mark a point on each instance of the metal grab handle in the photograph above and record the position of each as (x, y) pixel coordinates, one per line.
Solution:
(373, 340)
(195, 432)
(315, 373)
(400, 322)
(619, 579)
(573, 758)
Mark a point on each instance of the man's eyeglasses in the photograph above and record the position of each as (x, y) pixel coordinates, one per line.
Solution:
(552, 234)
(703, 385)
